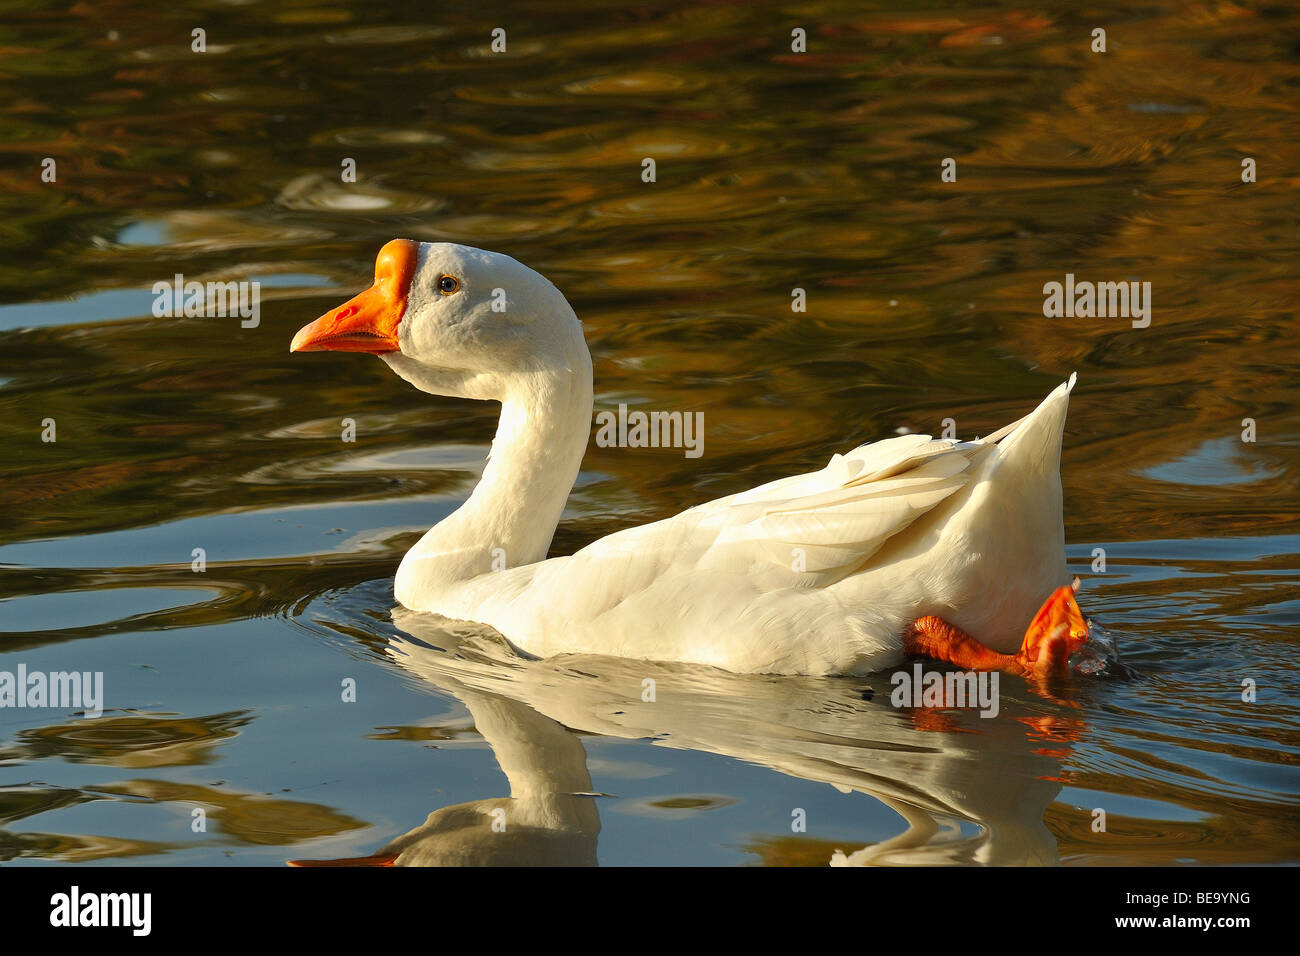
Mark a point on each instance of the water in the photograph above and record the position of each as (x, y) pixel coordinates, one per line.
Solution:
(225, 688)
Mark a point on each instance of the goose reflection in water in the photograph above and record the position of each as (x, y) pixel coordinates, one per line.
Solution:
(936, 768)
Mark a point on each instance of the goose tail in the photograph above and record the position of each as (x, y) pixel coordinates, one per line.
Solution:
(1015, 511)
(1025, 473)
(1046, 423)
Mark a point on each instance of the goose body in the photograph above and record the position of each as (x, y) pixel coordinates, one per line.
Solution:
(816, 574)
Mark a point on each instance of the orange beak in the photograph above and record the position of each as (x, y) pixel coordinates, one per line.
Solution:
(369, 321)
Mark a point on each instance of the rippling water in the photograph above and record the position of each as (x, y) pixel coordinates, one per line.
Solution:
(774, 170)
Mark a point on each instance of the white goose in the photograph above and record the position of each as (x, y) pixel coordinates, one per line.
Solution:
(906, 546)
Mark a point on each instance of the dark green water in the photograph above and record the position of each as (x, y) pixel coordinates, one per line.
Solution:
(774, 170)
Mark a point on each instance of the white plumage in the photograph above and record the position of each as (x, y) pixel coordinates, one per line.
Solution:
(813, 574)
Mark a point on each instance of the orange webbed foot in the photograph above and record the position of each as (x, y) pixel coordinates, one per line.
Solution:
(1057, 632)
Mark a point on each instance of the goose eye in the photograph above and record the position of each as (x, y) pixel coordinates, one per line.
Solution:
(448, 284)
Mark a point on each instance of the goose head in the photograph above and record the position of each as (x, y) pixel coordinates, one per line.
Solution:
(455, 320)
